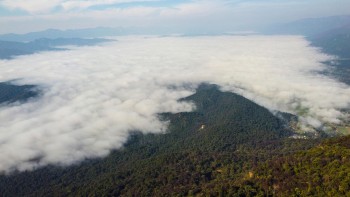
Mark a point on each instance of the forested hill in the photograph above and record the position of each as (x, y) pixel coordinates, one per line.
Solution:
(208, 151)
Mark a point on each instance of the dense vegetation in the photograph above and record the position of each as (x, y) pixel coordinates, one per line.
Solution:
(212, 151)
(321, 171)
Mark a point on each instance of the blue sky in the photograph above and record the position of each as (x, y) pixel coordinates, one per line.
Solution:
(20, 16)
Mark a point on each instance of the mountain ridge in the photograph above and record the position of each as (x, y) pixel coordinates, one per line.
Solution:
(11, 49)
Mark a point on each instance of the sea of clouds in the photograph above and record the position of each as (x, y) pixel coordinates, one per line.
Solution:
(93, 97)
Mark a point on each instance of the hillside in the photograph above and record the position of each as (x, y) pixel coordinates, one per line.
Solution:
(204, 152)
(321, 171)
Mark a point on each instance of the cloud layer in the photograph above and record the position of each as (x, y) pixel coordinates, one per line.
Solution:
(93, 97)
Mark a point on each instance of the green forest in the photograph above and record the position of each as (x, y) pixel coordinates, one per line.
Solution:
(229, 146)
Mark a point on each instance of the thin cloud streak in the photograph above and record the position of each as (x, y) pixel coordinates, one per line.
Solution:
(40, 7)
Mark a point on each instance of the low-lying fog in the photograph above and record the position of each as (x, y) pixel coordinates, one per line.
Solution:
(94, 96)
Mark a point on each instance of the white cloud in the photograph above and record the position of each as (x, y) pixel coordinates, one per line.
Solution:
(31, 6)
(203, 15)
(83, 4)
(45, 6)
(94, 96)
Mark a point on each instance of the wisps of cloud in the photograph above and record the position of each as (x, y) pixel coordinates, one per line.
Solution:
(40, 6)
(178, 16)
(93, 97)
(74, 14)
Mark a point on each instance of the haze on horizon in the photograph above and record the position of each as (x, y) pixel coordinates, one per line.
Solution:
(214, 16)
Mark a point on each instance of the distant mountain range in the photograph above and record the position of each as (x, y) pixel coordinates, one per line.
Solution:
(55, 33)
(335, 41)
(96, 32)
(308, 27)
(330, 34)
(10, 49)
